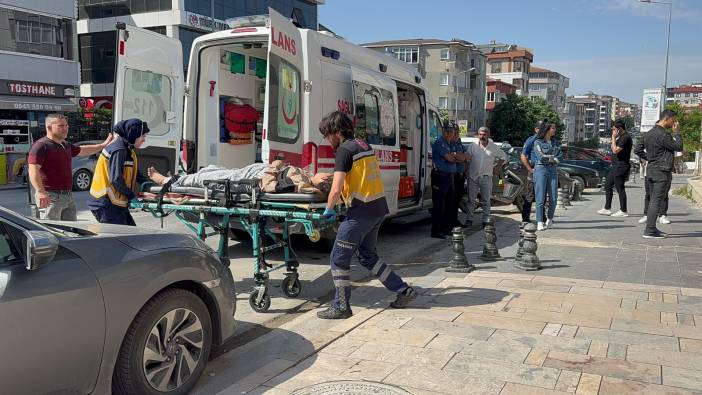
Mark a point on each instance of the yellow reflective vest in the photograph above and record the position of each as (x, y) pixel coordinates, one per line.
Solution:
(102, 185)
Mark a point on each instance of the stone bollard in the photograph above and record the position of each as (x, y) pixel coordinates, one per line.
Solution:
(566, 196)
(602, 187)
(577, 192)
(459, 262)
(490, 251)
(520, 251)
(560, 200)
(529, 260)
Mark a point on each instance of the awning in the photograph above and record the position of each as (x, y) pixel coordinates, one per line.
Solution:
(28, 103)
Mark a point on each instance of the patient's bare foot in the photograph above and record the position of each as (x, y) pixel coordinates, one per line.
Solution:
(155, 176)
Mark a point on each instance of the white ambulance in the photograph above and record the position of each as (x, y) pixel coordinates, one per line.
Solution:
(293, 77)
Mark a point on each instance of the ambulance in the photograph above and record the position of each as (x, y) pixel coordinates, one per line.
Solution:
(292, 77)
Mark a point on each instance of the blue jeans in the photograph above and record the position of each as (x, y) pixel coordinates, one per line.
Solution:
(358, 235)
(545, 181)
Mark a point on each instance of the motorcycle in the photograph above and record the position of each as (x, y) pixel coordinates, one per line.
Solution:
(507, 188)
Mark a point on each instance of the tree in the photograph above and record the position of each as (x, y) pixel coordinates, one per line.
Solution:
(514, 118)
(443, 115)
(628, 122)
(689, 128)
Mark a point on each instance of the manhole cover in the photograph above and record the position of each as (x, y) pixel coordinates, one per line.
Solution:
(350, 387)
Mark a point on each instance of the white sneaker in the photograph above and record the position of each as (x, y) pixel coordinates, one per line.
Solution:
(540, 226)
(620, 213)
(664, 219)
(643, 220)
(604, 211)
(549, 223)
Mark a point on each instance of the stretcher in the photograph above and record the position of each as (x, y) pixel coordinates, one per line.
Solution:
(268, 218)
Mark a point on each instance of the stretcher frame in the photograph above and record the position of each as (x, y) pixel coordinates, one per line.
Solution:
(220, 214)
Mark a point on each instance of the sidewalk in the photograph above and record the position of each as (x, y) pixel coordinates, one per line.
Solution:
(611, 313)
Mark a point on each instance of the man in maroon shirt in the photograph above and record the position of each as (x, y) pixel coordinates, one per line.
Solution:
(50, 169)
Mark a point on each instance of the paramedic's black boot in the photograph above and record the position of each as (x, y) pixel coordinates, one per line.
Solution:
(404, 298)
(332, 313)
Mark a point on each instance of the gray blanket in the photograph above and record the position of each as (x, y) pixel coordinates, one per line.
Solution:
(214, 173)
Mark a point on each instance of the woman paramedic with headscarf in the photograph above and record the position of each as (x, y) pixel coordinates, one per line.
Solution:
(116, 174)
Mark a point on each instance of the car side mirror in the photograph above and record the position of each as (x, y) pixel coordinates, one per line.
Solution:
(41, 248)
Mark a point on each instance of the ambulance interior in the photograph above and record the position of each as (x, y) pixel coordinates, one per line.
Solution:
(411, 132)
(231, 101)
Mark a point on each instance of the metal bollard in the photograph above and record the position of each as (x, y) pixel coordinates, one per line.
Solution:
(560, 200)
(520, 251)
(603, 180)
(490, 251)
(529, 260)
(459, 262)
(578, 192)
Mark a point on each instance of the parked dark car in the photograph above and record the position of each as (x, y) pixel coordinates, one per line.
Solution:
(575, 159)
(92, 308)
(585, 176)
(84, 168)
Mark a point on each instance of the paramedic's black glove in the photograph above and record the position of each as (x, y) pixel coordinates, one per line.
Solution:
(329, 214)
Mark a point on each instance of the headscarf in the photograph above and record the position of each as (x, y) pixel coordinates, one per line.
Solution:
(131, 129)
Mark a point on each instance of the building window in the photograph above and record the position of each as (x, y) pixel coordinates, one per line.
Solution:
(687, 94)
(496, 67)
(186, 37)
(97, 57)
(35, 34)
(518, 66)
(91, 9)
(405, 54)
(472, 63)
(444, 79)
(471, 104)
(443, 102)
(491, 96)
(445, 54)
(473, 81)
(453, 103)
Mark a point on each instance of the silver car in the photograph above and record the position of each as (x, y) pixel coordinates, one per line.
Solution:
(83, 168)
(92, 308)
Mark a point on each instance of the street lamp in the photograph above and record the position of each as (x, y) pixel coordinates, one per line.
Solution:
(667, 46)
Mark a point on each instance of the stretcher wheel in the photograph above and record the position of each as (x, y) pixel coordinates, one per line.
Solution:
(315, 236)
(291, 289)
(259, 307)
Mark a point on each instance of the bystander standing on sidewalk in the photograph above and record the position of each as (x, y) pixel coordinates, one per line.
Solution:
(546, 154)
(622, 145)
(442, 184)
(529, 187)
(658, 149)
(50, 169)
(482, 166)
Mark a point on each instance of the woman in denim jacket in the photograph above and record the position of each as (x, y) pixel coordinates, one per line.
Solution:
(546, 154)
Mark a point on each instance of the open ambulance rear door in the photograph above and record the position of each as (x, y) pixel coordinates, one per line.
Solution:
(149, 85)
(283, 119)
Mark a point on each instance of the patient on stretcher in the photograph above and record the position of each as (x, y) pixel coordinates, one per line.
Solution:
(276, 177)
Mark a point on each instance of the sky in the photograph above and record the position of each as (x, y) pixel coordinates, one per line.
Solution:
(610, 47)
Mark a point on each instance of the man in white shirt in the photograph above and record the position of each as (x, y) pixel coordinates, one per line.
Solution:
(484, 154)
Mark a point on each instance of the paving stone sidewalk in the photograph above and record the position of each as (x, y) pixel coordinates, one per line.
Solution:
(496, 333)
(611, 313)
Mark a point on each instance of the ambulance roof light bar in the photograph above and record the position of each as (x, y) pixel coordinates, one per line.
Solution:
(263, 20)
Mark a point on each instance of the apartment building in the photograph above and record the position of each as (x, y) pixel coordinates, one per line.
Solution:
(548, 85)
(688, 96)
(509, 63)
(39, 73)
(454, 72)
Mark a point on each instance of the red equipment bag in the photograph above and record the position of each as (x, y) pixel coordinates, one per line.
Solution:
(240, 118)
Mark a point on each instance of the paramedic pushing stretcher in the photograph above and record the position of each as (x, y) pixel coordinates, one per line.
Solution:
(357, 180)
(116, 174)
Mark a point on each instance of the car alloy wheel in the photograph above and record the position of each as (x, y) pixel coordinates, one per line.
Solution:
(82, 180)
(173, 349)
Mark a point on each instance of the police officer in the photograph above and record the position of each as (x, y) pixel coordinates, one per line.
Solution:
(442, 183)
(357, 180)
(460, 176)
(116, 174)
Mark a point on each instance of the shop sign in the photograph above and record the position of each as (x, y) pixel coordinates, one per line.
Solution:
(203, 22)
(37, 89)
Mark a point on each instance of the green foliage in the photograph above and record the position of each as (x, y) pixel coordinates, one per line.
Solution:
(514, 118)
(628, 122)
(84, 127)
(690, 121)
(443, 115)
(593, 143)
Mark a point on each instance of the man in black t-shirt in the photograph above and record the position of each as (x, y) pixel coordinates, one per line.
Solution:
(619, 173)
